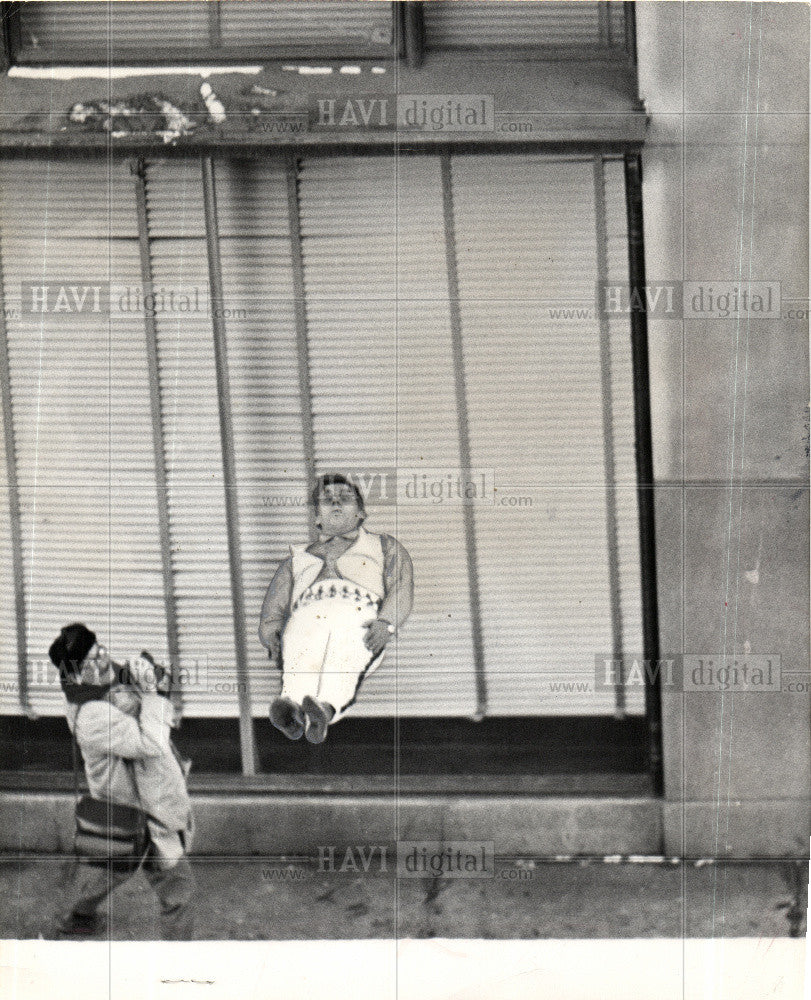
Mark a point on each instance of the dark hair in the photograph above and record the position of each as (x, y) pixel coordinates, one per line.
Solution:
(336, 479)
(68, 652)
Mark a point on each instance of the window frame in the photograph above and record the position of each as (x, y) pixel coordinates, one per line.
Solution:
(642, 407)
(410, 41)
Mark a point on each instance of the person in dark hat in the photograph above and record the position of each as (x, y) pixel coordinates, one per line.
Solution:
(121, 718)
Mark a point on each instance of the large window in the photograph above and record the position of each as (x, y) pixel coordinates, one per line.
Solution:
(448, 316)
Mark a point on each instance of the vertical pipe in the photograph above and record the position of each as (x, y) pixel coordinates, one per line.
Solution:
(608, 438)
(644, 460)
(464, 433)
(305, 388)
(15, 521)
(246, 733)
(158, 443)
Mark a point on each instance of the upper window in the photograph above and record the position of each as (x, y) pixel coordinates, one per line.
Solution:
(175, 30)
(170, 31)
(566, 29)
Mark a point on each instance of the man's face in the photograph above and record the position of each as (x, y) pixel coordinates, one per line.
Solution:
(338, 511)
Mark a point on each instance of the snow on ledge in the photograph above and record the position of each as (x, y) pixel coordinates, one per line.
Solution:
(119, 72)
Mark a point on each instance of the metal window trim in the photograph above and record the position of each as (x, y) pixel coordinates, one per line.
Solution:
(644, 462)
(174, 56)
(613, 55)
(606, 393)
(41, 146)
(225, 410)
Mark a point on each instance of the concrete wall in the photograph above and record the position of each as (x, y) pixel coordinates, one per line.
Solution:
(726, 197)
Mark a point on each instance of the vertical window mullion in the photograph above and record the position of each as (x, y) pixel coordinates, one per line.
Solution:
(214, 24)
(644, 460)
(603, 23)
(614, 597)
(13, 507)
(158, 443)
(413, 33)
(247, 740)
(302, 350)
(464, 434)
(629, 24)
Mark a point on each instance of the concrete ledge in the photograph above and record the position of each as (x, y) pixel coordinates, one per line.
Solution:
(279, 823)
(777, 828)
(299, 824)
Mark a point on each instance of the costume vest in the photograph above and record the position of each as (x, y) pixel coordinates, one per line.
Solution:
(361, 564)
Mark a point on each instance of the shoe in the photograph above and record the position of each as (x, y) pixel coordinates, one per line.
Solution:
(319, 714)
(74, 926)
(286, 715)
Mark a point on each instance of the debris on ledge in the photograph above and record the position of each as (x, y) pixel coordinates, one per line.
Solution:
(141, 114)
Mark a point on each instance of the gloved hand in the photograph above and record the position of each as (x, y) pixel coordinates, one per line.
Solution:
(149, 676)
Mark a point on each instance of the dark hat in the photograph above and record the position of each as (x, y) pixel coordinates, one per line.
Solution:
(68, 651)
(70, 648)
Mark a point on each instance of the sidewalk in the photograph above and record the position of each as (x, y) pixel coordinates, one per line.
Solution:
(257, 899)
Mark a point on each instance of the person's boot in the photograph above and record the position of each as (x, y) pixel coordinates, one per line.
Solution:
(319, 714)
(75, 926)
(286, 716)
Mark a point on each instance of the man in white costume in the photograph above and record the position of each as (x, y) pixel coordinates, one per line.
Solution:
(329, 611)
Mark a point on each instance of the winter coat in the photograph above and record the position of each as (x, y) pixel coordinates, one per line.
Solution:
(130, 759)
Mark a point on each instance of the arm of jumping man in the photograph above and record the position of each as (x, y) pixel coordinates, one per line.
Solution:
(275, 609)
(398, 594)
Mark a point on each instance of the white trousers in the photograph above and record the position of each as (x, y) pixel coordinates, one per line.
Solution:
(323, 650)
